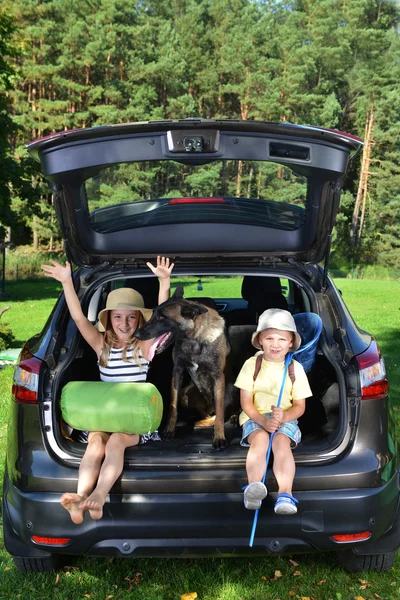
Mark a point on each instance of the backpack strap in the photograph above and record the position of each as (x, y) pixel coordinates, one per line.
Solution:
(258, 367)
(291, 372)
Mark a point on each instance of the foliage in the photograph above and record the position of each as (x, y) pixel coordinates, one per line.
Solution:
(7, 128)
(328, 63)
(6, 336)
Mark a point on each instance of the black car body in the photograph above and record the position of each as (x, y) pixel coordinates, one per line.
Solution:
(252, 201)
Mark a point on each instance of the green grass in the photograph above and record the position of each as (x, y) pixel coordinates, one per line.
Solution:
(375, 307)
(30, 302)
(315, 577)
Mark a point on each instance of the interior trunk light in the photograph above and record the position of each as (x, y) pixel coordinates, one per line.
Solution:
(352, 537)
(50, 541)
(26, 378)
(372, 373)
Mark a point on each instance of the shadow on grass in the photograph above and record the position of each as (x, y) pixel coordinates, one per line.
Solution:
(40, 288)
(390, 342)
(207, 575)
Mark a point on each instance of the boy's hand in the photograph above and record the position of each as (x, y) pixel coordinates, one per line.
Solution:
(57, 271)
(277, 414)
(163, 269)
(271, 424)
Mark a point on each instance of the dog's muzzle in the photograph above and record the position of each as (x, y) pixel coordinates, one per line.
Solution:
(158, 345)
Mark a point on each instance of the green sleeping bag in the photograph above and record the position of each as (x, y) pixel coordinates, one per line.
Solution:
(111, 407)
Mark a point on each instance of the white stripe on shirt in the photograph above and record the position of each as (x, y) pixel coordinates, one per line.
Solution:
(117, 370)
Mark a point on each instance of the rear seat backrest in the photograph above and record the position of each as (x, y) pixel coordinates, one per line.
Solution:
(262, 293)
(241, 347)
(147, 287)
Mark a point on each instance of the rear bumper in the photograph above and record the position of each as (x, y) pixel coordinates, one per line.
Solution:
(204, 524)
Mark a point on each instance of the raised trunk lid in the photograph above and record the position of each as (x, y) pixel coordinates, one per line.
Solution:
(195, 188)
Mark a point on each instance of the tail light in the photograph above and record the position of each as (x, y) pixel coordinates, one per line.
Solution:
(50, 541)
(352, 537)
(26, 378)
(372, 373)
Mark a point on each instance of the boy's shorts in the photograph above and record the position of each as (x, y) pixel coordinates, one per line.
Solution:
(290, 429)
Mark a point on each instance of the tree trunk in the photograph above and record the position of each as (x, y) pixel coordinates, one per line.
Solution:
(239, 178)
(259, 184)
(362, 192)
(35, 240)
(249, 185)
(35, 235)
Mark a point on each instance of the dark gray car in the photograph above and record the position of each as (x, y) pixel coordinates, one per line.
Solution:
(248, 203)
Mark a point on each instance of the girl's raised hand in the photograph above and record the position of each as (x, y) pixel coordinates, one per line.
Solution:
(57, 271)
(163, 269)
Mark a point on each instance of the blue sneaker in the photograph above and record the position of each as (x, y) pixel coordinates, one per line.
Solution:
(286, 505)
(254, 494)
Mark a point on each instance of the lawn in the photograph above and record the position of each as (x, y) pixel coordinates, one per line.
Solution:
(376, 308)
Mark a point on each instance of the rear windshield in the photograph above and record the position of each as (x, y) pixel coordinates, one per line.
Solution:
(166, 192)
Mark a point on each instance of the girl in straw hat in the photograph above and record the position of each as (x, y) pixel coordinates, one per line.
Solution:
(112, 339)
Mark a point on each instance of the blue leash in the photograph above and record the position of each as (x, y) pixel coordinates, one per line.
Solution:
(287, 363)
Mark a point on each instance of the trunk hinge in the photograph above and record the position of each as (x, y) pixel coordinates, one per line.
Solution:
(89, 276)
(303, 268)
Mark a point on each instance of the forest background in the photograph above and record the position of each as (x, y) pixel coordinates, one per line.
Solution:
(84, 63)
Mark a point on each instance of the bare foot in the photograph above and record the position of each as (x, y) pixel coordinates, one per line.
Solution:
(94, 504)
(71, 503)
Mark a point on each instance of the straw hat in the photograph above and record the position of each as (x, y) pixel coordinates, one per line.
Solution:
(276, 318)
(123, 299)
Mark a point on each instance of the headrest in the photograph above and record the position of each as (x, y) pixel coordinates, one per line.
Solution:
(147, 287)
(253, 286)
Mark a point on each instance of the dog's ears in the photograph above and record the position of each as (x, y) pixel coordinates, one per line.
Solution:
(178, 293)
(191, 311)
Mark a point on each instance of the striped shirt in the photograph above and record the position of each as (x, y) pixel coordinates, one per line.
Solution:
(117, 370)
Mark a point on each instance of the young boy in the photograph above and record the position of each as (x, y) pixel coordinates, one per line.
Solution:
(276, 335)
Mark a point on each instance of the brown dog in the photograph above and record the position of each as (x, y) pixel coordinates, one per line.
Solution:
(201, 348)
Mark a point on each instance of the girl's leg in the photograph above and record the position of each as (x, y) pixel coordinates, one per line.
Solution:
(257, 454)
(88, 473)
(284, 466)
(110, 470)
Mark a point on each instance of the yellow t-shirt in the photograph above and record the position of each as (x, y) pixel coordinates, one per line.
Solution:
(267, 386)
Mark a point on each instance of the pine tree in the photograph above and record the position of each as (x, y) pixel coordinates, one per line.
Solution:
(8, 166)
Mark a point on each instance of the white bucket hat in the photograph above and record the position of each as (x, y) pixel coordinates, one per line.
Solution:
(123, 299)
(276, 318)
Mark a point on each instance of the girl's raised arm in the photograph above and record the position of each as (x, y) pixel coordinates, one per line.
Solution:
(88, 331)
(163, 272)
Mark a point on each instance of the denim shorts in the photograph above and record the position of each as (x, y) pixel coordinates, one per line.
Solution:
(290, 429)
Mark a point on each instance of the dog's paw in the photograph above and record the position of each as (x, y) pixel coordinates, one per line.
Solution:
(168, 435)
(219, 443)
(234, 420)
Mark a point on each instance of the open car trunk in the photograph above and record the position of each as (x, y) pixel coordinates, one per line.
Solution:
(193, 443)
